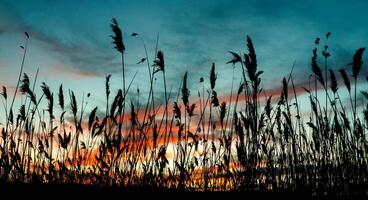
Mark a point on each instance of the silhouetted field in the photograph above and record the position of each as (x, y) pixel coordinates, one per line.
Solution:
(246, 143)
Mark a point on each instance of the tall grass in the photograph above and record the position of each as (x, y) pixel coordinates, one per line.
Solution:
(252, 142)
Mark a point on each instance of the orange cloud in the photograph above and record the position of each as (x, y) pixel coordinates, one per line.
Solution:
(69, 73)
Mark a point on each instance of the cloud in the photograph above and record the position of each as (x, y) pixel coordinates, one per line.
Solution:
(81, 56)
(58, 71)
(192, 35)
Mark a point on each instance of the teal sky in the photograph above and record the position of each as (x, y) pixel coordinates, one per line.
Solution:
(70, 40)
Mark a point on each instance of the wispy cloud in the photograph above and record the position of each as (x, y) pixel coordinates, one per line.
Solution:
(193, 34)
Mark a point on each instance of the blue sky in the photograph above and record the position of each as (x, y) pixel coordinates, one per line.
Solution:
(71, 44)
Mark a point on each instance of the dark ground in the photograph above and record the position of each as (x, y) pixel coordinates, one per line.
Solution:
(73, 191)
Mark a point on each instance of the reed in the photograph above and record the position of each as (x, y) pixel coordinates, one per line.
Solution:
(253, 142)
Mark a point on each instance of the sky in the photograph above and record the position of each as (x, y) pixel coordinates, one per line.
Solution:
(70, 40)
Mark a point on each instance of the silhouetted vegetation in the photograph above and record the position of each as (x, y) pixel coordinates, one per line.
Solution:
(193, 143)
